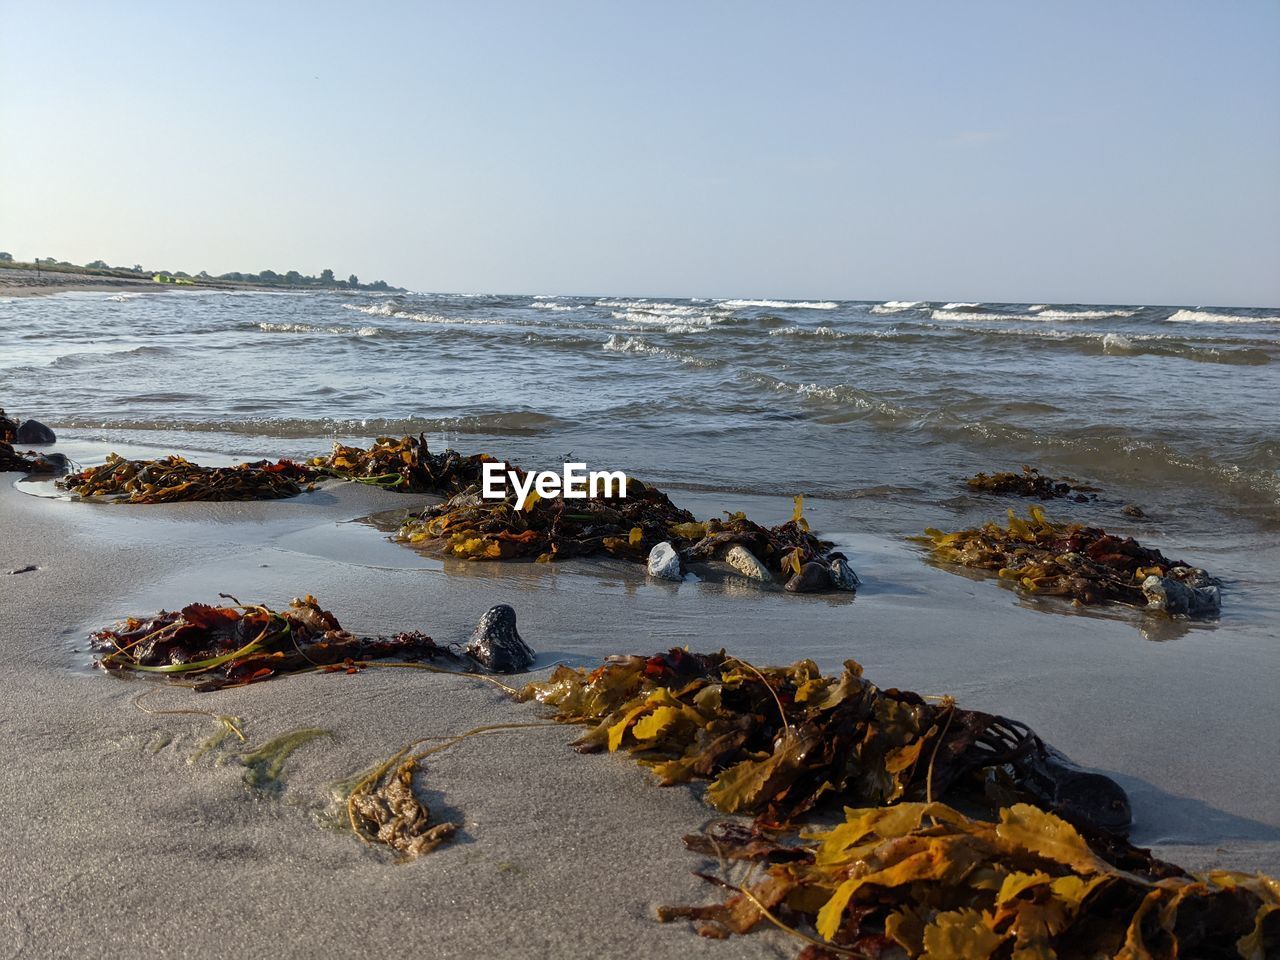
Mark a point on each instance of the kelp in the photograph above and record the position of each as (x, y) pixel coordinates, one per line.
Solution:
(29, 462)
(1084, 564)
(265, 764)
(212, 647)
(1032, 483)
(405, 465)
(382, 807)
(175, 478)
(775, 742)
(924, 880)
(8, 428)
(547, 529)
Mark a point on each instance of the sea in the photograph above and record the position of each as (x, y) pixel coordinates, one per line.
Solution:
(883, 407)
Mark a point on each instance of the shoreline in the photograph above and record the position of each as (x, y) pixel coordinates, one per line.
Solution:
(544, 830)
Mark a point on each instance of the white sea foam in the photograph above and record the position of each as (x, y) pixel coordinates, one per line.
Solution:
(1205, 316)
(896, 306)
(547, 304)
(1044, 313)
(780, 304)
(960, 306)
(269, 327)
(827, 332)
(387, 310)
(619, 344)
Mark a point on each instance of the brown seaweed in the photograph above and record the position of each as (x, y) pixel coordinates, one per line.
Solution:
(924, 880)
(776, 742)
(8, 428)
(547, 529)
(213, 647)
(173, 479)
(1084, 564)
(1032, 483)
(29, 462)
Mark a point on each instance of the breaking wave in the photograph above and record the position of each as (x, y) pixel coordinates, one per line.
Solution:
(515, 423)
(779, 304)
(618, 344)
(1205, 316)
(896, 306)
(270, 327)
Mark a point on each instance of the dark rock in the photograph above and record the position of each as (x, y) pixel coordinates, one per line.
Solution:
(496, 643)
(812, 578)
(842, 575)
(1132, 510)
(33, 431)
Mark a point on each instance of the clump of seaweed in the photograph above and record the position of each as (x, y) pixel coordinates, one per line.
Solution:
(1032, 483)
(265, 764)
(175, 478)
(777, 741)
(548, 529)
(213, 647)
(924, 880)
(8, 428)
(405, 465)
(30, 462)
(1084, 564)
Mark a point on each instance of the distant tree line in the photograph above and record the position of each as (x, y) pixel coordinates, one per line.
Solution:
(292, 278)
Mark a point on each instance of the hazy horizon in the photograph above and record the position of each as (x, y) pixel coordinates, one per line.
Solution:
(994, 153)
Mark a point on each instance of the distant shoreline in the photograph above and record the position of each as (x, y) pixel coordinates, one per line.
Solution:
(21, 282)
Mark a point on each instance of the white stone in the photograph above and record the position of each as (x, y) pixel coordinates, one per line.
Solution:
(746, 563)
(664, 562)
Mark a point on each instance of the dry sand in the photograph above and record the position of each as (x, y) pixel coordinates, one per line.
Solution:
(117, 844)
(30, 283)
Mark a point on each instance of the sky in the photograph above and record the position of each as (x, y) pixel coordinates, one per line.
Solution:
(1090, 152)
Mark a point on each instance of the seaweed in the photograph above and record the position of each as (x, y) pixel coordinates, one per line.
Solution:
(924, 880)
(548, 529)
(1084, 564)
(776, 742)
(1033, 484)
(8, 428)
(173, 479)
(213, 647)
(264, 766)
(405, 465)
(30, 462)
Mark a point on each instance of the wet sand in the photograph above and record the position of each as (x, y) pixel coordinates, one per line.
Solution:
(119, 843)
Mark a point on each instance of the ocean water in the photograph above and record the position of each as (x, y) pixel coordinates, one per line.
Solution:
(879, 408)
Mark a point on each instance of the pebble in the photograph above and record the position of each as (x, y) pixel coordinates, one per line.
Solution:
(813, 578)
(664, 562)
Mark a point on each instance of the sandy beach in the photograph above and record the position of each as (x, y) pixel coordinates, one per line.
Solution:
(32, 283)
(120, 842)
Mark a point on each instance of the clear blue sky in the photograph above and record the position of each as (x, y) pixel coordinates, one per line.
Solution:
(1074, 151)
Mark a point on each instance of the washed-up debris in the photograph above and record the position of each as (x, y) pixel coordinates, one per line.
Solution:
(173, 479)
(1032, 483)
(406, 465)
(777, 741)
(1084, 564)
(31, 461)
(923, 880)
(644, 527)
(213, 647)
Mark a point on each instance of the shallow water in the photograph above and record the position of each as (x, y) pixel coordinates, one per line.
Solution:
(880, 406)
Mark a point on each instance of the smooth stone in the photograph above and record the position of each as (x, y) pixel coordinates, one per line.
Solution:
(664, 562)
(1178, 598)
(33, 431)
(842, 575)
(813, 578)
(497, 644)
(746, 563)
(1132, 510)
